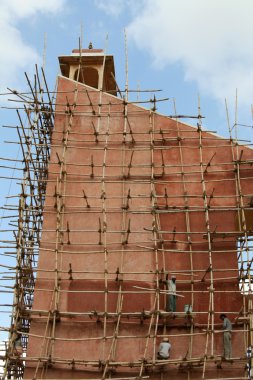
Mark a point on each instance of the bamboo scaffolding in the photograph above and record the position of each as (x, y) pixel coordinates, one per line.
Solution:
(237, 156)
(158, 244)
(21, 296)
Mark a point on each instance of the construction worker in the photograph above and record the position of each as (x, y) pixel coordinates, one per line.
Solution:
(249, 354)
(171, 298)
(164, 350)
(227, 328)
(18, 347)
(16, 338)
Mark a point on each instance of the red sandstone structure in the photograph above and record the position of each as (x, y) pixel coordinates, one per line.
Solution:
(133, 196)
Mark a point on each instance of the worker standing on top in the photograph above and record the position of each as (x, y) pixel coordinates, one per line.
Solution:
(227, 328)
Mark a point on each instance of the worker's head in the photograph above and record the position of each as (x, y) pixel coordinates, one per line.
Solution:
(173, 278)
(223, 316)
(165, 339)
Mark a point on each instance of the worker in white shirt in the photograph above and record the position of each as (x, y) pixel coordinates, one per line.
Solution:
(164, 350)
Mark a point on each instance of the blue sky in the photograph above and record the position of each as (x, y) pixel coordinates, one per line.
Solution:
(184, 47)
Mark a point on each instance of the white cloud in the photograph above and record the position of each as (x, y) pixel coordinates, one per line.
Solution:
(28, 8)
(212, 39)
(112, 7)
(16, 54)
(116, 7)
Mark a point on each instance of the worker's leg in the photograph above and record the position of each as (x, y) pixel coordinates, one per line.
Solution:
(171, 303)
(168, 303)
(174, 303)
(227, 345)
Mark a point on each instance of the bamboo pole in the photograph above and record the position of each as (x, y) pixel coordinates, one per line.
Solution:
(188, 225)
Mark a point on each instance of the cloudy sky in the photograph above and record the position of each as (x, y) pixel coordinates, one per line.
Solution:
(187, 48)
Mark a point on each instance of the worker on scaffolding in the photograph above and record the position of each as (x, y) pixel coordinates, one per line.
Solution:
(164, 350)
(227, 328)
(171, 299)
(249, 354)
(16, 338)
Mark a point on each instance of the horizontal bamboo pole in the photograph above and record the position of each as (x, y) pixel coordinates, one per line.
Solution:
(143, 145)
(128, 250)
(183, 272)
(132, 180)
(48, 290)
(80, 91)
(141, 314)
(147, 362)
(110, 103)
(203, 234)
(144, 196)
(122, 337)
(141, 211)
(159, 131)
(133, 165)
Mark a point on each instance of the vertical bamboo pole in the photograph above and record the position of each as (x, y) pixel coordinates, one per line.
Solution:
(187, 220)
(210, 323)
(155, 226)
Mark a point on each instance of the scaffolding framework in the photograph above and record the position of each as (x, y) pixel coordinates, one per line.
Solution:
(101, 189)
(34, 140)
